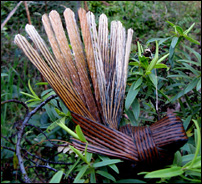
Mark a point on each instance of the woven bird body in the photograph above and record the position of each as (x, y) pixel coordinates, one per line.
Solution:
(91, 80)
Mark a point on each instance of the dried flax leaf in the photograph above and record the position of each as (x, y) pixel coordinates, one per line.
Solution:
(40, 44)
(89, 54)
(65, 51)
(60, 61)
(76, 44)
(98, 63)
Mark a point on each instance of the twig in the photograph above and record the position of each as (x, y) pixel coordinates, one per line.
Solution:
(20, 132)
(86, 6)
(56, 145)
(27, 11)
(157, 102)
(10, 15)
(105, 3)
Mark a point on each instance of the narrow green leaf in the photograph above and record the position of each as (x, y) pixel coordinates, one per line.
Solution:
(106, 175)
(139, 49)
(179, 30)
(189, 29)
(81, 173)
(72, 168)
(41, 83)
(154, 60)
(191, 85)
(186, 122)
(4, 74)
(190, 62)
(49, 94)
(78, 153)
(106, 162)
(61, 123)
(153, 79)
(174, 42)
(191, 40)
(198, 86)
(92, 177)
(31, 96)
(165, 173)
(161, 66)
(32, 91)
(161, 40)
(57, 177)
(60, 113)
(88, 156)
(136, 108)
(198, 56)
(80, 134)
(131, 96)
(112, 166)
(173, 25)
(198, 144)
(138, 83)
(162, 58)
(134, 63)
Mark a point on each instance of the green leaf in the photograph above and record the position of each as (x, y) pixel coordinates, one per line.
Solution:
(61, 123)
(81, 173)
(41, 83)
(4, 74)
(139, 49)
(60, 113)
(31, 96)
(162, 58)
(92, 177)
(190, 62)
(106, 162)
(88, 156)
(80, 134)
(198, 144)
(134, 63)
(165, 173)
(179, 30)
(106, 175)
(49, 94)
(189, 29)
(198, 86)
(191, 40)
(32, 91)
(78, 153)
(174, 42)
(136, 108)
(112, 166)
(198, 56)
(161, 66)
(153, 79)
(154, 60)
(173, 25)
(191, 85)
(57, 177)
(161, 40)
(138, 83)
(131, 96)
(187, 121)
(50, 113)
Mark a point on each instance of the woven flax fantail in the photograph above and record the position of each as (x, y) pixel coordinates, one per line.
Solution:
(91, 80)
